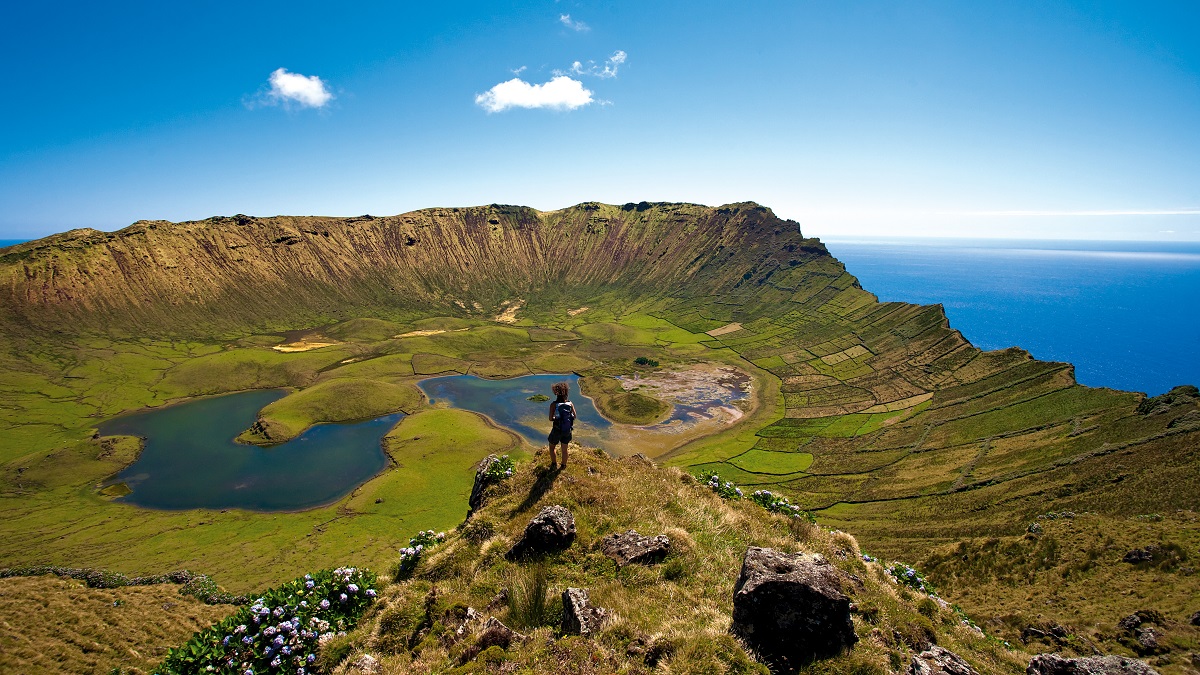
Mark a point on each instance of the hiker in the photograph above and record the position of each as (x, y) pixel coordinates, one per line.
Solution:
(562, 419)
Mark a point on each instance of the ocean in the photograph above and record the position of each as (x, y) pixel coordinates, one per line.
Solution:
(1127, 314)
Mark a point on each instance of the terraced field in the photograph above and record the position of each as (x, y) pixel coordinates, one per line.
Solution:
(879, 417)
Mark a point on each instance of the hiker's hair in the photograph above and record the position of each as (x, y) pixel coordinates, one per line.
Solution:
(560, 389)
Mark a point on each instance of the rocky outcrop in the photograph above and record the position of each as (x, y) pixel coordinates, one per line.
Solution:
(579, 616)
(1140, 555)
(632, 547)
(552, 529)
(481, 483)
(939, 661)
(790, 607)
(1195, 620)
(1053, 664)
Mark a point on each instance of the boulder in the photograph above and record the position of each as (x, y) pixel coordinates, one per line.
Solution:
(579, 616)
(938, 661)
(552, 529)
(1195, 620)
(476, 499)
(632, 547)
(790, 607)
(1053, 664)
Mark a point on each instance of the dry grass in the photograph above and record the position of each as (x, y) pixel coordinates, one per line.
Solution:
(669, 618)
(53, 625)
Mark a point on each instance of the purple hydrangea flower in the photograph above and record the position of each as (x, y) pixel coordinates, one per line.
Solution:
(343, 597)
(353, 588)
(324, 604)
(309, 584)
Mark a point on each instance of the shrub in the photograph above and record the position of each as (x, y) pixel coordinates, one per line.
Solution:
(499, 470)
(723, 488)
(281, 631)
(411, 555)
(643, 361)
(780, 504)
(910, 577)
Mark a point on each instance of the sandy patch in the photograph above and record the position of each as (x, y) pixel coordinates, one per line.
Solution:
(509, 313)
(728, 328)
(302, 346)
(419, 333)
(577, 312)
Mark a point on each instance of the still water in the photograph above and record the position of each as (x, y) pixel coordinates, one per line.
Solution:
(191, 461)
(507, 403)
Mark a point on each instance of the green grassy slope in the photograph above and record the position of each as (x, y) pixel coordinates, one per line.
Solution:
(877, 416)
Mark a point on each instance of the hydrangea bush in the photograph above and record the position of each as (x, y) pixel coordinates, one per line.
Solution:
(411, 555)
(723, 488)
(780, 504)
(282, 630)
(909, 576)
(499, 470)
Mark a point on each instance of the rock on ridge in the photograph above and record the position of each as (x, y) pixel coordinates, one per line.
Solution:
(552, 529)
(939, 661)
(579, 616)
(1053, 664)
(632, 547)
(790, 607)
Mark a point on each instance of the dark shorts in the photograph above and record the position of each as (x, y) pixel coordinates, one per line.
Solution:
(559, 436)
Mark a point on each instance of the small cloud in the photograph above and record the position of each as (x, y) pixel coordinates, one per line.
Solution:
(296, 89)
(560, 93)
(518, 71)
(605, 70)
(577, 26)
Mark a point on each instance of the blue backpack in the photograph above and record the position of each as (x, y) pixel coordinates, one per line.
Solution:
(564, 416)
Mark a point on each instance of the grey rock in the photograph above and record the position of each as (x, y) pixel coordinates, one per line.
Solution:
(552, 529)
(632, 547)
(939, 661)
(790, 607)
(1053, 664)
(1130, 622)
(1195, 620)
(579, 616)
(366, 665)
(1148, 640)
(1140, 555)
(481, 483)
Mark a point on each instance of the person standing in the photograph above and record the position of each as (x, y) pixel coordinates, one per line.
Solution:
(562, 420)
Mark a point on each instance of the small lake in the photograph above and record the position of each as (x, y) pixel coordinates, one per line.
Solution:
(191, 461)
(701, 400)
(507, 403)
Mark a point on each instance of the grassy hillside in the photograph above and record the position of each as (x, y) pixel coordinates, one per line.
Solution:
(878, 417)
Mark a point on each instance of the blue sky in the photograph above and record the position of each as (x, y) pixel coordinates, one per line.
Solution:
(977, 119)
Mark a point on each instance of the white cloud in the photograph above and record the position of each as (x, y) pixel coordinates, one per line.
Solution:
(293, 88)
(579, 26)
(605, 70)
(560, 93)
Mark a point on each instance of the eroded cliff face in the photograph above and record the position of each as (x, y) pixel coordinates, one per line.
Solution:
(239, 271)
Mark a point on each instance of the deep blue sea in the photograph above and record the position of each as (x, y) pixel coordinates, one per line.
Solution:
(1127, 314)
